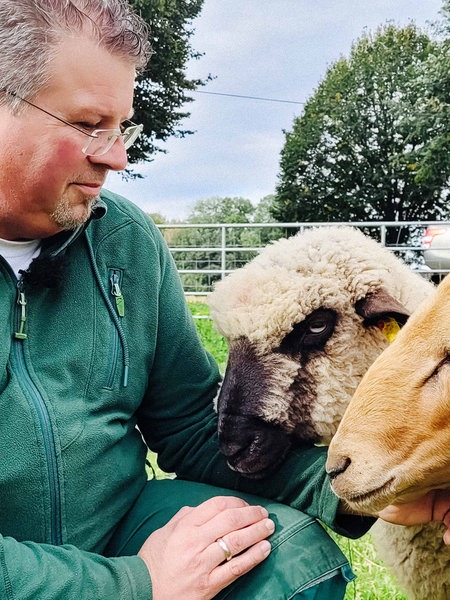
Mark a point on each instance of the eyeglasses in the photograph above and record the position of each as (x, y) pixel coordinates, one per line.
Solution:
(100, 140)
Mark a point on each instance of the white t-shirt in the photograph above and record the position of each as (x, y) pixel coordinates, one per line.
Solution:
(19, 254)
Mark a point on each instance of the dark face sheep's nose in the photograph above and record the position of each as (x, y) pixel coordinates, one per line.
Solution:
(252, 447)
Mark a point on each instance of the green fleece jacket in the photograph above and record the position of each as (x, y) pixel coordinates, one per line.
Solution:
(112, 347)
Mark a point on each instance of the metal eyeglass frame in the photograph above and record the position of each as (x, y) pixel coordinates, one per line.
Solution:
(106, 137)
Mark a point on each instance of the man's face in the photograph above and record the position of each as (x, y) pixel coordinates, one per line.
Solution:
(47, 183)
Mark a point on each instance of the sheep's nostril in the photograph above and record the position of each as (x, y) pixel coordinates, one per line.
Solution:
(339, 467)
(231, 449)
(252, 447)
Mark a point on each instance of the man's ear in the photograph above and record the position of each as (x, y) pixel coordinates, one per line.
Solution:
(381, 306)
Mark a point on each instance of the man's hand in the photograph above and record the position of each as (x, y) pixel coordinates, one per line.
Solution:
(434, 506)
(184, 558)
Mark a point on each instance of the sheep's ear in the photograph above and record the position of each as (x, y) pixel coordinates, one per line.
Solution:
(380, 305)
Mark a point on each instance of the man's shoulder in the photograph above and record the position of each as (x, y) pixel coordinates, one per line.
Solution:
(120, 219)
(120, 207)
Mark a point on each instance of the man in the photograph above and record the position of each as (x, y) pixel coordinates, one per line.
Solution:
(98, 353)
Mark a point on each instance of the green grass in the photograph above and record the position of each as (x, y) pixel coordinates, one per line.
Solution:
(212, 340)
(373, 582)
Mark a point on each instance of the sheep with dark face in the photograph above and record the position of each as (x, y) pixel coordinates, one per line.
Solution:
(304, 321)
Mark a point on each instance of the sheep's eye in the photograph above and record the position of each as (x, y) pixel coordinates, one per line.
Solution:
(317, 326)
(443, 363)
(310, 334)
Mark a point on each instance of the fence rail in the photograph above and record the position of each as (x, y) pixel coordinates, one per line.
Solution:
(205, 253)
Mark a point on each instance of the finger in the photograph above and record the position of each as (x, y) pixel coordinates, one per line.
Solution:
(233, 519)
(236, 542)
(207, 510)
(441, 505)
(447, 538)
(446, 518)
(228, 572)
(181, 514)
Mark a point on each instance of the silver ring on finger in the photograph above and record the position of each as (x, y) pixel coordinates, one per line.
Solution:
(225, 549)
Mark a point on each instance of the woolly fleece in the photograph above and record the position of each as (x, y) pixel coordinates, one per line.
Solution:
(333, 268)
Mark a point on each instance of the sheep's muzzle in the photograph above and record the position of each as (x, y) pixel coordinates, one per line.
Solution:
(253, 446)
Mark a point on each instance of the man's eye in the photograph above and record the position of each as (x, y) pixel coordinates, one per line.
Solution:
(86, 125)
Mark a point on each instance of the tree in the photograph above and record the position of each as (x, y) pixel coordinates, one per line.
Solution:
(240, 242)
(432, 158)
(157, 218)
(259, 237)
(162, 90)
(354, 154)
(213, 210)
(222, 210)
(262, 212)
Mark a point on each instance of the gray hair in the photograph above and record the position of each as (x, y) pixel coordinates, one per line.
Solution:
(31, 31)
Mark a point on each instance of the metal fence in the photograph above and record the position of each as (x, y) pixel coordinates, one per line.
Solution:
(205, 253)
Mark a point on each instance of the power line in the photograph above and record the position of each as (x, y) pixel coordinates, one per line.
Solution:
(247, 97)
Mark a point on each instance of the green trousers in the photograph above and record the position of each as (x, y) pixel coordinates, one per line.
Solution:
(304, 564)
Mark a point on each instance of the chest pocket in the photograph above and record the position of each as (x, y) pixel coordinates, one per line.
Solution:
(116, 366)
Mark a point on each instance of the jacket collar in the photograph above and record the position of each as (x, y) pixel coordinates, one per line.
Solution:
(47, 270)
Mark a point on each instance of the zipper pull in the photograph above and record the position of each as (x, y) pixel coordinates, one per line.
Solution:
(117, 293)
(21, 300)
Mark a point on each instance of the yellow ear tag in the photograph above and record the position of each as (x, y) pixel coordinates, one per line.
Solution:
(389, 328)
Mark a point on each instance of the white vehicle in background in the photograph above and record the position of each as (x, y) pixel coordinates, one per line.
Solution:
(436, 253)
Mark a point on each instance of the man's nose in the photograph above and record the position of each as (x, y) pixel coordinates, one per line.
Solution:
(116, 159)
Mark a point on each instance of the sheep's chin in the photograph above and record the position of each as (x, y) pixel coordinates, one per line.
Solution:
(371, 501)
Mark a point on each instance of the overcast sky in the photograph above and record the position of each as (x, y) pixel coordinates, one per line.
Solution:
(274, 49)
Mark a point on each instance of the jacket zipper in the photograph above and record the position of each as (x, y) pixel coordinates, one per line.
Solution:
(22, 302)
(43, 418)
(115, 280)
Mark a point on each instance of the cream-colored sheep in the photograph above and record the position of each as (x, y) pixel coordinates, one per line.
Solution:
(304, 321)
(403, 403)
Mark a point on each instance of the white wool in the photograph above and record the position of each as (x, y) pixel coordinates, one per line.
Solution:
(294, 276)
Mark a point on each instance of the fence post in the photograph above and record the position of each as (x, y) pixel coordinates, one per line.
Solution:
(223, 254)
(383, 234)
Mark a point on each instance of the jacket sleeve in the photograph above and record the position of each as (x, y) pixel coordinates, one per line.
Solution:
(178, 421)
(30, 571)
